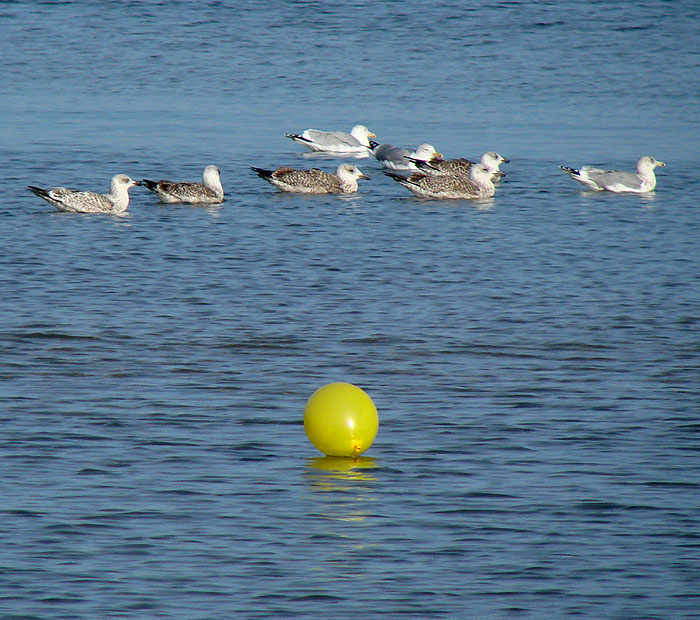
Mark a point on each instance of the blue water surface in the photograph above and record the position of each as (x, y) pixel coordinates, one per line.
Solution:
(535, 358)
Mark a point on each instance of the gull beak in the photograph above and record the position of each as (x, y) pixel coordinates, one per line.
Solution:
(437, 155)
(505, 160)
(660, 163)
(364, 176)
(137, 183)
(371, 135)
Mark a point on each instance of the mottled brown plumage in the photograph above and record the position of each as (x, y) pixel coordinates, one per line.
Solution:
(313, 181)
(460, 166)
(209, 191)
(479, 184)
(64, 199)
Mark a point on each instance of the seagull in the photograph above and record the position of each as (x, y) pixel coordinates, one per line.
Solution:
(314, 181)
(209, 191)
(357, 141)
(396, 158)
(64, 199)
(479, 184)
(460, 167)
(616, 180)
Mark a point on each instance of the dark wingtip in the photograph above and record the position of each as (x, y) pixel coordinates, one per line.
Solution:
(262, 172)
(149, 184)
(423, 165)
(39, 191)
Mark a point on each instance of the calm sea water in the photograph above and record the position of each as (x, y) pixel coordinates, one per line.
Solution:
(535, 359)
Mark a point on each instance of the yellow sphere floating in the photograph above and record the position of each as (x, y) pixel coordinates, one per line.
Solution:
(340, 419)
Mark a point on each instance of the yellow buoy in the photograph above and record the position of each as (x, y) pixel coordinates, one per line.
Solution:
(340, 419)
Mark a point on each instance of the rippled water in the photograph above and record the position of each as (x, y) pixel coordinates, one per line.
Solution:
(535, 359)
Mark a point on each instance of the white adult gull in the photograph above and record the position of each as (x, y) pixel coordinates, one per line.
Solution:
(479, 184)
(209, 191)
(64, 199)
(357, 141)
(461, 166)
(396, 158)
(618, 181)
(314, 181)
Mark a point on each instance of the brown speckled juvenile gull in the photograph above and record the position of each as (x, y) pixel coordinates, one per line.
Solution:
(396, 158)
(616, 180)
(209, 191)
(64, 199)
(479, 184)
(461, 166)
(314, 181)
(357, 141)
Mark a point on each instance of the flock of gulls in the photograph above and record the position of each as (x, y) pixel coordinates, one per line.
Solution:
(423, 171)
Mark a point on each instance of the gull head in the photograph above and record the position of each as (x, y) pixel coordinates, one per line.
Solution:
(426, 152)
(348, 172)
(362, 134)
(648, 163)
(211, 179)
(493, 159)
(211, 174)
(122, 182)
(481, 174)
